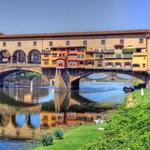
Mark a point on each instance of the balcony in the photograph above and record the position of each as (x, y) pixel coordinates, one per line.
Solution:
(128, 50)
(127, 56)
(109, 51)
(73, 52)
(72, 57)
(72, 64)
(139, 54)
(109, 56)
(118, 55)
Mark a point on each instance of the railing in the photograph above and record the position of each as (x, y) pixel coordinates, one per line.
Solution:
(18, 64)
(109, 51)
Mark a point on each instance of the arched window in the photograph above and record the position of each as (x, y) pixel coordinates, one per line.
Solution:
(19, 56)
(5, 56)
(34, 57)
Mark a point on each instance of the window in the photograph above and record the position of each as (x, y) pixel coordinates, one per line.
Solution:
(136, 65)
(54, 55)
(45, 118)
(118, 64)
(127, 64)
(141, 40)
(82, 55)
(138, 50)
(4, 44)
(53, 62)
(34, 43)
(46, 55)
(103, 42)
(19, 44)
(46, 62)
(67, 42)
(81, 62)
(50, 43)
(85, 42)
(121, 41)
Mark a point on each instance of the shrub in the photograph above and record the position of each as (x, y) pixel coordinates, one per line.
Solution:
(47, 139)
(58, 134)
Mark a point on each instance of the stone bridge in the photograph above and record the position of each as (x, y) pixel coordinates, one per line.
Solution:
(13, 67)
(70, 79)
(67, 78)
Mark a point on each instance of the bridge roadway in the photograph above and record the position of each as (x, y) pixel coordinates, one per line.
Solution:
(67, 78)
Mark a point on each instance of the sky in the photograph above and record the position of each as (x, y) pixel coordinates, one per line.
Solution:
(49, 16)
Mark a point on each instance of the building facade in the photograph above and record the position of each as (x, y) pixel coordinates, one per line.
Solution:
(128, 49)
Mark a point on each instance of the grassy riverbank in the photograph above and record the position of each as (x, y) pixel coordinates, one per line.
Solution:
(75, 138)
(128, 128)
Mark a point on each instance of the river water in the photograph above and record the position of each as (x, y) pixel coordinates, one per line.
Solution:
(19, 99)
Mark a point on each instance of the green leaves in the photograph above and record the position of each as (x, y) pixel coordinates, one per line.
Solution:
(46, 140)
(58, 134)
(128, 50)
(127, 129)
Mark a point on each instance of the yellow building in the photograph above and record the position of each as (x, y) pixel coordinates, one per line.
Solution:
(139, 60)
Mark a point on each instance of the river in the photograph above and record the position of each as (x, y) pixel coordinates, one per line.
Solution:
(43, 98)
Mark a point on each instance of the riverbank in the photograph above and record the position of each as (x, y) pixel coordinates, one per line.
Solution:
(75, 138)
(127, 128)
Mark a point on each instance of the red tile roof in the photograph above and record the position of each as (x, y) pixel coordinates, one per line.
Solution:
(73, 34)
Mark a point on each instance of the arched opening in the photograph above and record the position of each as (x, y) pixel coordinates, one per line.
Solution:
(4, 119)
(34, 57)
(34, 120)
(5, 56)
(19, 56)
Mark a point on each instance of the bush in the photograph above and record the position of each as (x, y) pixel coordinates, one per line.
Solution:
(58, 134)
(47, 139)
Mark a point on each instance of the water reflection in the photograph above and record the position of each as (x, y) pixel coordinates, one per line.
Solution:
(26, 107)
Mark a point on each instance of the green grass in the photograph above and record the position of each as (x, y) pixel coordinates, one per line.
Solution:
(139, 100)
(127, 128)
(75, 138)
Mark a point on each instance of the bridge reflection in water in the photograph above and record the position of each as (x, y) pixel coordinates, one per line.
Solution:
(23, 119)
(25, 109)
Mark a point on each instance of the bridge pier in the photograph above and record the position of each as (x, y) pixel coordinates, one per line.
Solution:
(75, 85)
(1, 82)
(62, 79)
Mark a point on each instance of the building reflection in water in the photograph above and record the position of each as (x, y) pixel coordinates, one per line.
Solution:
(19, 121)
(23, 112)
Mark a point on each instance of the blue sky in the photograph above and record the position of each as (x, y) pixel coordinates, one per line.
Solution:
(45, 16)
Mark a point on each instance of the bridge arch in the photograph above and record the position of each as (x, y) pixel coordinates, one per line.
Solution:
(34, 56)
(5, 119)
(76, 79)
(19, 56)
(5, 56)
